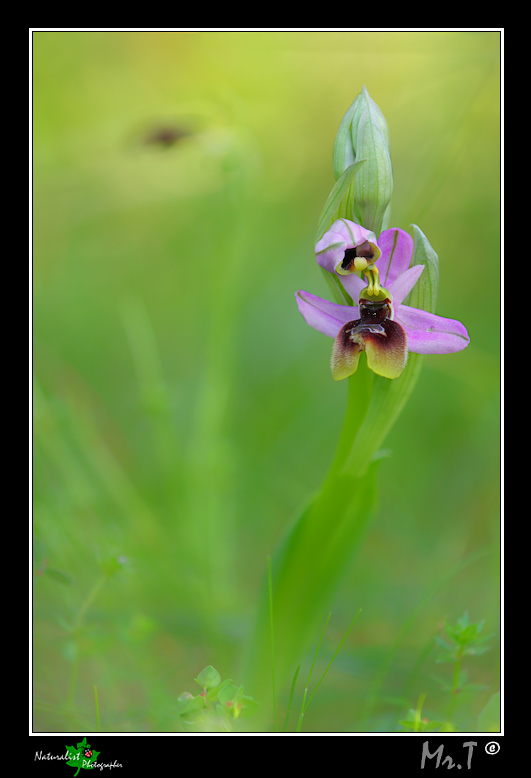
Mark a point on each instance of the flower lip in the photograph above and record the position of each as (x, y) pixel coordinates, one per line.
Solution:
(384, 341)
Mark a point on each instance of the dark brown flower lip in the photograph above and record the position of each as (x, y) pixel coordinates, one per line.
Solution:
(359, 328)
(385, 342)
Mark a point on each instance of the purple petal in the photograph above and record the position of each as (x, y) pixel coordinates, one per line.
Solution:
(397, 249)
(431, 334)
(405, 283)
(342, 235)
(323, 315)
(357, 234)
(330, 250)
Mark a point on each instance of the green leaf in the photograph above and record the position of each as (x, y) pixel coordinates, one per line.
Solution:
(213, 693)
(208, 678)
(489, 720)
(450, 656)
(473, 688)
(195, 703)
(431, 726)
(475, 650)
(414, 724)
(443, 644)
(249, 707)
(227, 694)
(57, 575)
(306, 571)
(409, 725)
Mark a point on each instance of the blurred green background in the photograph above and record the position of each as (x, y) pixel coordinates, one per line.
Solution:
(183, 409)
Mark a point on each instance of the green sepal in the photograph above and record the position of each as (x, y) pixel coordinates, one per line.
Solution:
(332, 209)
(344, 151)
(344, 155)
(424, 293)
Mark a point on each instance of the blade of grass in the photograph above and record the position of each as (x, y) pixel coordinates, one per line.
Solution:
(291, 698)
(97, 708)
(270, 583)
(337, 652)
(304, 706)
(418, 712)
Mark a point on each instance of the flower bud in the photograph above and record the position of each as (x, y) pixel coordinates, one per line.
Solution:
(363, 135)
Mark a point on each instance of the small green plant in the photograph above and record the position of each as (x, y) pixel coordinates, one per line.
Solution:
(462, 639)
(217, 707)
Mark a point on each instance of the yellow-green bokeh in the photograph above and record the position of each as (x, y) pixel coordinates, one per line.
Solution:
(184, 411)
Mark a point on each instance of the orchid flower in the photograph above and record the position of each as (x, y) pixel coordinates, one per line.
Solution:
(377, 322)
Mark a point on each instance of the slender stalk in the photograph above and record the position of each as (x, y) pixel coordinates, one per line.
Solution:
(418, 712)
(291, 698)
(359, 396)
(76, 627)
(317, 652)
(97, 708)
(315, 552)
(337, 652)
(270, 582)
(455, 685)
(304, 706)
(88, 601)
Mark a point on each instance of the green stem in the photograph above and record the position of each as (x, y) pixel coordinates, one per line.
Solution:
(455, 686)
(97, 708)
(332, 660)
(316, 551)
(304, 705)
(291, 698)
(78, 622)
(88, 601)
(359, 395)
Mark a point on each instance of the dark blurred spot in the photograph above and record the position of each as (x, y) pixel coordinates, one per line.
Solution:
(165, 136)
